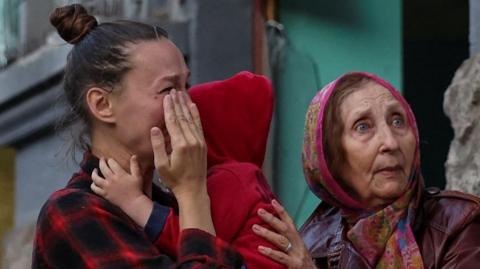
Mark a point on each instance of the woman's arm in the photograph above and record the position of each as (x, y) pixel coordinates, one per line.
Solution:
(184, 171)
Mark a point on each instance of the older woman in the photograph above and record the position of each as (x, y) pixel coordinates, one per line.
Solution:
(361, 157)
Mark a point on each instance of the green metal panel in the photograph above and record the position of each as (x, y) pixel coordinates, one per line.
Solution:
(295, 86)
(325, 39)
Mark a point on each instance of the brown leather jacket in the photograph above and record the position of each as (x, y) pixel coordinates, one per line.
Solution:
(447, 231)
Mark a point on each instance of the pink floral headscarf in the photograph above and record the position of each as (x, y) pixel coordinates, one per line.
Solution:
(384, 237)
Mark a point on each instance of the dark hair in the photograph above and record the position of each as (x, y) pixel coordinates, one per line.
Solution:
(98, 58)
(333, 124)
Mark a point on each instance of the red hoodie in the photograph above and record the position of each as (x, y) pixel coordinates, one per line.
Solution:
(236, 115)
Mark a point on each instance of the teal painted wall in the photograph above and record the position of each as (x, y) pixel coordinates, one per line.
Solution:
(326, 39)
(9, 10)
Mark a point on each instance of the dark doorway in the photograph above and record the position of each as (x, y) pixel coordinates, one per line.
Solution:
(435, 42)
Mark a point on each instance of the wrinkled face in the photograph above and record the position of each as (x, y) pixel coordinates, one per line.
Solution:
(157, 67)
(379, 145)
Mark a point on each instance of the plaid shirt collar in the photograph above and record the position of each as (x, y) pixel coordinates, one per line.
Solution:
(82, 179)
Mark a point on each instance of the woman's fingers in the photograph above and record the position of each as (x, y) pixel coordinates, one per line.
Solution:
(159, 151)
(181, 123)
(294, 255)
(296, 261)
(194, 112)
(275, 255)
(282, 213)
(196, 120)
(273, 221)
(182, 96)
(173, 127)
(181, 116)
(177, 108)
(277, 239)
(186, 103)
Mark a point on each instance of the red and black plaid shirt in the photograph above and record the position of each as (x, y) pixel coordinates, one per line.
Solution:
(78, 229)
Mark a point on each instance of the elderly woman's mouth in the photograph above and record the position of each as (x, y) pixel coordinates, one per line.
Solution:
(387, 170)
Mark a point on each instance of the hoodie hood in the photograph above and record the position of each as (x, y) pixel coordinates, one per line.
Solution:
(236, 115)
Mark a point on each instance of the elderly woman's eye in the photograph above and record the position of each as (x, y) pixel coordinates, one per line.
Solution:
(398, 122)
(362, 127)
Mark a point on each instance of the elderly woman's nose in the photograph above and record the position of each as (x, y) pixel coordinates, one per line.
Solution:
(388, 140)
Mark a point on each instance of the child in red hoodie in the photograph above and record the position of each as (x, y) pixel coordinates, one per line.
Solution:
(236, 115)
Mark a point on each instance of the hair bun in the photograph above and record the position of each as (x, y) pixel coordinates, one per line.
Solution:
(72, 22)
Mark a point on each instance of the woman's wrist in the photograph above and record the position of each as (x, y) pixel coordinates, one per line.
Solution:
(194, 211)
(195, 190)
(188, 194)
(194, 201)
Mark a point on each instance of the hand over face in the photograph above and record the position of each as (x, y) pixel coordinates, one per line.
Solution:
(184, 171)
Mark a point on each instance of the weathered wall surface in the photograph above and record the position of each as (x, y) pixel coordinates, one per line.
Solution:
(462, 106)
